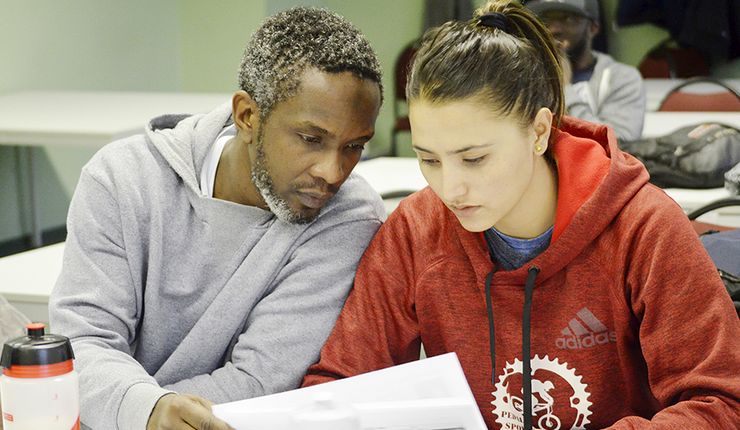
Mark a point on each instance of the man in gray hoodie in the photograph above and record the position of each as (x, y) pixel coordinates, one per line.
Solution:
(207, 259)
(600, 89)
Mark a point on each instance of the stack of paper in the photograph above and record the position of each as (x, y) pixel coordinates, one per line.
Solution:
(430, 394)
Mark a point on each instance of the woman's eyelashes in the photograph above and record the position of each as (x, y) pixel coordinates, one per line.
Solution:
(475, 160)
(468, 161)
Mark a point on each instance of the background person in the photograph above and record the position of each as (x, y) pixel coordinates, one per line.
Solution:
(601, 89)
(208, 259)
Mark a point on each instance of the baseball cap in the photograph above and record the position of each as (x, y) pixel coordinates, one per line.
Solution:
(587, 8)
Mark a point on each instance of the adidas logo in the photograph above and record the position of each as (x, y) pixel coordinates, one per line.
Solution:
(585, 331)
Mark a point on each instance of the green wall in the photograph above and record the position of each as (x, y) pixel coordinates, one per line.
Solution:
(213, 39)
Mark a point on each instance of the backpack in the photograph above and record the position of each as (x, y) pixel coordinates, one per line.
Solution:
(724, 249)
(732, 180)
(696, 156)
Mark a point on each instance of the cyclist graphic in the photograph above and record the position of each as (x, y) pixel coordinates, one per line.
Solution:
(541, 401)
(551, 380)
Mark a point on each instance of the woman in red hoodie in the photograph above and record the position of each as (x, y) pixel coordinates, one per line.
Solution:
(608, 312)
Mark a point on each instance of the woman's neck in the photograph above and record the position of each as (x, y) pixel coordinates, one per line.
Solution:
(535, 211)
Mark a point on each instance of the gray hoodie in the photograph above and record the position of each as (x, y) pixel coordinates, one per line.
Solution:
(163, 289)
(615, 96)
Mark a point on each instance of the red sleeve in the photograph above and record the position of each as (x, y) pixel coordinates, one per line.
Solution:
(688, 329)
(377, 327)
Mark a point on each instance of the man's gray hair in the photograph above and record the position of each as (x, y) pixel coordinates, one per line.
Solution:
(293, 40)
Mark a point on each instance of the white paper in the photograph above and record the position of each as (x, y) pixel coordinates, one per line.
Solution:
(427, 394)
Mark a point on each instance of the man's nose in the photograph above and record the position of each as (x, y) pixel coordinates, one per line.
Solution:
(329, 168)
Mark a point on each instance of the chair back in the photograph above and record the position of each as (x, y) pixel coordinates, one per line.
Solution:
(401, 70)
(671, 62)
(400, 109)
(726, 99)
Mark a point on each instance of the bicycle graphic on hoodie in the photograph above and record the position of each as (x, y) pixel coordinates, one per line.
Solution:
(548, 421)
(551, 380)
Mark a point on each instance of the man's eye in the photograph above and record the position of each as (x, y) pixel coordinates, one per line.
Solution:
(356, 147)
(309, 139)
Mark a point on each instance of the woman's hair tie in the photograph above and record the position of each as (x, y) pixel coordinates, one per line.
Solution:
(494, 20)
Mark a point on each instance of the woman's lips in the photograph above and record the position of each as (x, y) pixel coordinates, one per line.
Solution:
(463, 210)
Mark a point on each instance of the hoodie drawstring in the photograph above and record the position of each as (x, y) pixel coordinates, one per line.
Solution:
(491, 332)
(526, 347)
(526, 341)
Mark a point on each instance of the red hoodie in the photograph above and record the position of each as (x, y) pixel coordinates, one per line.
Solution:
(630, 325)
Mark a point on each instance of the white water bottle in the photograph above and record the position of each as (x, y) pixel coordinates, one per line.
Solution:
(326, 413)
(39, 386)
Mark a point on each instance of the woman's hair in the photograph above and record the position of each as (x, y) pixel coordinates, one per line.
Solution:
(504, 56)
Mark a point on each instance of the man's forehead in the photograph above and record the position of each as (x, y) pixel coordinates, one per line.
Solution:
(334, 104)
(313, 79)
(329, 90)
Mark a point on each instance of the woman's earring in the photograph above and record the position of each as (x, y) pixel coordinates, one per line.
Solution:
(538, 148)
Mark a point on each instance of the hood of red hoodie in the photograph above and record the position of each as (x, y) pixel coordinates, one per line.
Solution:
(595, 181)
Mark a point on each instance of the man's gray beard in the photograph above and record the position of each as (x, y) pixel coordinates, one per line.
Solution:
(263, 181)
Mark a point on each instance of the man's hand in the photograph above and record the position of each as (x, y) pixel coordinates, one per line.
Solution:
(184, 412)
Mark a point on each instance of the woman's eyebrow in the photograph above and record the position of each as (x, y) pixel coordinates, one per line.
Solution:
(457, 151)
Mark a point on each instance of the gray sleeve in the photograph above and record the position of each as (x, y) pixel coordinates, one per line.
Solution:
(287, 328)
(96, 303)
(622, 107)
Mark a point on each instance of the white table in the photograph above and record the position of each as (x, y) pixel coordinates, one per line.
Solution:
(662, 123)
(59, 118)
(657, 89)
(392, 175)
(690, 200)
(28, 278)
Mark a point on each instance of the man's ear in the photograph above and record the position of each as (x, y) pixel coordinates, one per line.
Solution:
(246, 115)
(594, 28)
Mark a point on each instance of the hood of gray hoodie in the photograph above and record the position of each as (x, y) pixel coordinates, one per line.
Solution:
(173, 135)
